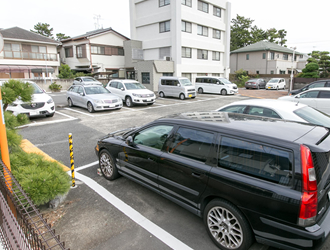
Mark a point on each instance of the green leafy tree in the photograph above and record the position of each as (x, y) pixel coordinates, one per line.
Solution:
(310, 71)
(244, 33)
(61, 36)
(43, 29)
(324, 64)
(65, 72)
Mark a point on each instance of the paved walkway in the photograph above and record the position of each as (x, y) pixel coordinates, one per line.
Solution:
(262, 93)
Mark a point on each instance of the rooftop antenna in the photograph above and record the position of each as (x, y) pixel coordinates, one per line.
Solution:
(97, 18)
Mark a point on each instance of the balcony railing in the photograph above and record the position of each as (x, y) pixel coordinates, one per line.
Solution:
(29, 55)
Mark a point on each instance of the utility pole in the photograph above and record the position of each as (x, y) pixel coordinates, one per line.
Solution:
(291, 76)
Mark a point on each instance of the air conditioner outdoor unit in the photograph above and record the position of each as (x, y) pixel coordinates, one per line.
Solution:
(167, 58)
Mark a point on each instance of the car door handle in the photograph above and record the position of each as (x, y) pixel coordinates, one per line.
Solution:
(197, 175)
(150, 159)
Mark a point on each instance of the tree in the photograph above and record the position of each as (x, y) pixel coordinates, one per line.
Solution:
(43, 29)
(310, 71)
(322, 59)
(65, 72)
(243, 33)
(61, 36)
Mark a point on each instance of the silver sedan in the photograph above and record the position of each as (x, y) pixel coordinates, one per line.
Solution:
(92, 97)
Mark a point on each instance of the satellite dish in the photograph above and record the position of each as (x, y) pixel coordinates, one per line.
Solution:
(2, 43)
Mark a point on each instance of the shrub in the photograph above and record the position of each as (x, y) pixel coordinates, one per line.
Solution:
(55, 87)
(43, 180)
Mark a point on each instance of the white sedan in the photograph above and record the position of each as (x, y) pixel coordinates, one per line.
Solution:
(276, 83)
(318, 98)
(278, 109)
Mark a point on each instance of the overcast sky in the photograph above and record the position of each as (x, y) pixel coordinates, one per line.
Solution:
(307, 25)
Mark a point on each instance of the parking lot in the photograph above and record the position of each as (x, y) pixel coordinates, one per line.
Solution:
(99, 214)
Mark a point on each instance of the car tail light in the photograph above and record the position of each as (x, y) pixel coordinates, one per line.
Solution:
(308, 205)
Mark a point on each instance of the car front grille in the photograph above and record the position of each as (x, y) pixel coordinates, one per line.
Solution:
(191, 89)
(147, 95)
(111, 101)
(34, 105)
(148, 101)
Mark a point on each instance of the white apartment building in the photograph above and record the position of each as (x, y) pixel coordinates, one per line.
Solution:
(194, 34)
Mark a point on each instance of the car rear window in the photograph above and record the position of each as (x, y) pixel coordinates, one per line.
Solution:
(256, 160)
(313, 116)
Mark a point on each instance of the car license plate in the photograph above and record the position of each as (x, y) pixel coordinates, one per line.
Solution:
(329, 195)
(34, 113)
(269, 87)
(148, 100)
(190, 95)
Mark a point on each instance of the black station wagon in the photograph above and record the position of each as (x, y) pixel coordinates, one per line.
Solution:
(249, 178)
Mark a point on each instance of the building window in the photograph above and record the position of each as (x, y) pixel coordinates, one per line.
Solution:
(187, 75)
(272, 55)
(167, 74)
(263, 55)
(79, 52)
(272, 72)
(216, 11)
(215, 56)
(247, 57)
(285, 56)
(12, 50)
(186, 26)
(186, 52)
(202, 30)
(163, 2)
(68, 52)
(216, 34)
(164, 26)
(186, 2)
(202, 6)
(164, 52)
(282, 72)
(98, 50)
(202, 54)
(145, 77)
(257, 71)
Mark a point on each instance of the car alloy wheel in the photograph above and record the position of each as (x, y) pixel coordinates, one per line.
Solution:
(70, 103)
(107, 165)
(161, 94)
(90, 107)
(200, 91)
(223, 92)
(128, 101)
(182, 96)
(227, 226)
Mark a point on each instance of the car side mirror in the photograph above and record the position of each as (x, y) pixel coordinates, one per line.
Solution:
(122, 89)
(179, 85)
(129, 141)
(297, 96)
(82, 94)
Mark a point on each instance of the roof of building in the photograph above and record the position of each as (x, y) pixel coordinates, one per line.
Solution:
(22, 34)
(264, 46)
(93, 33)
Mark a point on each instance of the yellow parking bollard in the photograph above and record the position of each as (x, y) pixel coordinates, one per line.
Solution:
(72, 161)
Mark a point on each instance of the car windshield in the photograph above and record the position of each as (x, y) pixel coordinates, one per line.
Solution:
(89, 79)
(273, 80)
(313, 116)
(225, 81)
(96, 90)
(37, 90)
(134, 85)
(185, 82)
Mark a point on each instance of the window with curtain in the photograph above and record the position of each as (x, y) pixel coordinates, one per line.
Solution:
(202, 30)
(164, 26)
(186, 52)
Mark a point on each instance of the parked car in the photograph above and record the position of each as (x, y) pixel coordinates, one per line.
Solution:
(84, 80)
(255, 84)
(276, 83)
(179, 87)
(42, 104)
(216, 85)
(278, 109)
(131, 92)
(316, 84)
(318, 98)
(92, 97)
(247, 178)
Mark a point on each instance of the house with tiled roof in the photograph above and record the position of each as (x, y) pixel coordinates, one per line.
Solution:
(27, 55)
(267, 58)
(99, 52)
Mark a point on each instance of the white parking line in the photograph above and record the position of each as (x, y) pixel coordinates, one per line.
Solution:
(79, 112)
(134, 215)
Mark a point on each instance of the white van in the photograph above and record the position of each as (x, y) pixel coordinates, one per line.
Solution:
(176, 86)
(217, 85)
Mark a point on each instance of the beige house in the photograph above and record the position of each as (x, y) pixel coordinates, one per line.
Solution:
(267, 58)
(28, 55)
(99, 52)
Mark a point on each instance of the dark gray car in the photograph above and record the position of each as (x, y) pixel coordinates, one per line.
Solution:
(255, 84)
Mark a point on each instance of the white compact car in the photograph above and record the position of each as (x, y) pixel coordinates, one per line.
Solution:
(41, 105)
(216, 85)
(131, 92)
(276, 83)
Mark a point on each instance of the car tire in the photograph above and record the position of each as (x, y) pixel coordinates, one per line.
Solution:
(181, 96)
(161, 94)
(50, 115)
(90, 107)
(70, 103)
(107, 165)
(200, 91)
(227, 226)
(223, 92)
(277, 87)
(128, 101)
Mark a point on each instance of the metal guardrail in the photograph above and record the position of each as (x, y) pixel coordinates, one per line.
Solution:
(22, 226)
